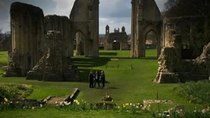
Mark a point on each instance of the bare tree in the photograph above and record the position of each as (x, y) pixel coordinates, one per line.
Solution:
(187, 7)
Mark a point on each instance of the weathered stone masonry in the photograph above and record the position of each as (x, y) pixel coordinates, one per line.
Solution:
(146, 17)
(27, 24)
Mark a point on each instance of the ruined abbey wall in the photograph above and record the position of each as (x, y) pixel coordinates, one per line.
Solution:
(30, 31)
(85, 19)
(27, 29)
(146, 17)
(117, 40)
(185, 55)
(62, 24)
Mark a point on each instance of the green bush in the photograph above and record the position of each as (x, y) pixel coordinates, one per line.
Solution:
(15, 91)
(195, 92)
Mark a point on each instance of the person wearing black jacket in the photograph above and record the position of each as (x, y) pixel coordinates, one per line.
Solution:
(91, 79)
(103, 79)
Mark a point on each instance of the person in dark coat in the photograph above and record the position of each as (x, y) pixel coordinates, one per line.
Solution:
(97, 78)
(103, 79)
(91, 79)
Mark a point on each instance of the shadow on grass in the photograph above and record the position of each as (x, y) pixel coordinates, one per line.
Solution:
(108, 53)
(85, 65)
(91, 62)
(150, 58)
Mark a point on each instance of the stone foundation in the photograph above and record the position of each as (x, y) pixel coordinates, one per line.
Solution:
(167, 77)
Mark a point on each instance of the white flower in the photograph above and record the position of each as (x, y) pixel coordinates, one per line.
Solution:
(67, 103)
(5, 99)
(203, 111)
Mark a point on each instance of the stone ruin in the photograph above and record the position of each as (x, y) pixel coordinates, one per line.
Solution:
(27, 35)
(85, 26)
(181, 59)
(62, 24)
(33, 46)
(116, 40)
(54, 65)
(146, 17)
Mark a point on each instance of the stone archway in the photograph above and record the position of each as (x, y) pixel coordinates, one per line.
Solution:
(116, 45)
(154, 29)
(84, 17)
(145, 17)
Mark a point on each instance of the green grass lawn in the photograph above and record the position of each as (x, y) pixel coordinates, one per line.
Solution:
(129, 80)
(3, 58)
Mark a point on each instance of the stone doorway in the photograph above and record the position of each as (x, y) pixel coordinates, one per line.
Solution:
(151, 42)
(116, 45)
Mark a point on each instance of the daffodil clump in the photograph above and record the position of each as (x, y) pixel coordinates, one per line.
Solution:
(77, 105)
(130, 107)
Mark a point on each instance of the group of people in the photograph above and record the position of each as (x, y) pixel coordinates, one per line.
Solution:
(97, 78)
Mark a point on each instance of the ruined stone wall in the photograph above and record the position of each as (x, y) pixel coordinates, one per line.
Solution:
(85, 19)
(194, 31)
(62, 24)
(185, 56)
(54, 66)
(116, 37)
(27, 32)
(145, 17)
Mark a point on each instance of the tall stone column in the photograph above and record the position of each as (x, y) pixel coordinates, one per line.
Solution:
(137, 45)
(92, 43)
(27, 31)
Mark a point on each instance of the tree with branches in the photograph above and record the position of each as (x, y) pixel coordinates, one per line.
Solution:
(176, 8)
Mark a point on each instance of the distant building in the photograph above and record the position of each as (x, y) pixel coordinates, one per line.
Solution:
(116, 40)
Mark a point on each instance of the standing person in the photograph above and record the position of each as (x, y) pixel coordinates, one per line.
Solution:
(103, 78)
(97, 78)
(91, 79)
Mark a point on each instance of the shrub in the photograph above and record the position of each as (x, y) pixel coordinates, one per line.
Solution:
(195, 92)
(15, 91)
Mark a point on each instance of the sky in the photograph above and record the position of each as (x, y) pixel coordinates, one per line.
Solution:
(115, 13)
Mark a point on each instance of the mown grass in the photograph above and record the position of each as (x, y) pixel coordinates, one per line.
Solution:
(128, 80)
(60, 113)
(3, 58)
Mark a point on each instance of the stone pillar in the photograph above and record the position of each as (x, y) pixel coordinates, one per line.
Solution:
(170, 62)
(54, 66)
(92, 42)
(27, 32)
(62, 24)
(133, 30)
(137, 43)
